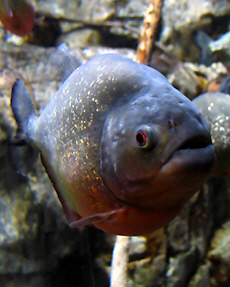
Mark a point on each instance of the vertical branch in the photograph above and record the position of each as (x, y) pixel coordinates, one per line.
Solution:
(119, 264)
(149, 31)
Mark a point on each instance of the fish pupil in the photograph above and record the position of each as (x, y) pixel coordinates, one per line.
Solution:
(141, 138)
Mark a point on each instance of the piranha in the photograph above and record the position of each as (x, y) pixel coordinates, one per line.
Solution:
(122, 147)
(215, 106)
(18, 16)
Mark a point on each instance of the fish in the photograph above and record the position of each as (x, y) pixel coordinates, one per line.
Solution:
(18, 17)
(215, 106)
(209, 47)
(123, 148)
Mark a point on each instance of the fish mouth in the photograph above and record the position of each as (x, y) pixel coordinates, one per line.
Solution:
(196, 151)
(193, 143)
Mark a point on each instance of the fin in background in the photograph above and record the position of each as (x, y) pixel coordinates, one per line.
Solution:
(203, 41)
(22, 153)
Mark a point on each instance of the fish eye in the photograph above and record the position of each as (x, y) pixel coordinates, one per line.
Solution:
(141, 138)
(145, 137)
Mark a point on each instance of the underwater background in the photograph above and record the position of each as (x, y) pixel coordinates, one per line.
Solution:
(192, 49)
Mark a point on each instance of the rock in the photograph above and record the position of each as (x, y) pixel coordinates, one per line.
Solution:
(81, 38)
(185, 17)
(202, 277)
(32, 222)
(85, 11)
(180, 19)
(219, 255)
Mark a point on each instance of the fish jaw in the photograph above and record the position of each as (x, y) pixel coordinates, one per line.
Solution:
(189, 165)
(176, 182)
(133, 221)
(191, 168)
(200, 159)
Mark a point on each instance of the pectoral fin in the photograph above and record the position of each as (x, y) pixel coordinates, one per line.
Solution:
(104, 216)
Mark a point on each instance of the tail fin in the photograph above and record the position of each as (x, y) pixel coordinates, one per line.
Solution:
(21, 150)
(204, 41)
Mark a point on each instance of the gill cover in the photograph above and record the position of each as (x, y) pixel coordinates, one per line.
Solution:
(130, 153)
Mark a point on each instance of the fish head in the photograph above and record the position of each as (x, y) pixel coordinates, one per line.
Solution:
(156, 151)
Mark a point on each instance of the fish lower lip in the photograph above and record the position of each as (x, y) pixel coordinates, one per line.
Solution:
(186, 159)
(193, 143)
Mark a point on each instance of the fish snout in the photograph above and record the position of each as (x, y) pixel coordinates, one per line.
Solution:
(189, 133)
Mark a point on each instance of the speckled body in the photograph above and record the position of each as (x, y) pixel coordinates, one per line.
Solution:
(216, 107)
(86, 136)
(71, 147)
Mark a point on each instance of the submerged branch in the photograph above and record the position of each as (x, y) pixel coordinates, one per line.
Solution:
(119, 262)
(149, 31)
